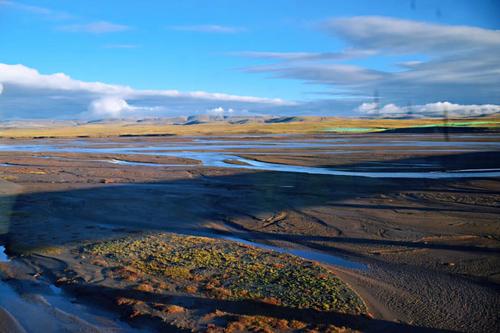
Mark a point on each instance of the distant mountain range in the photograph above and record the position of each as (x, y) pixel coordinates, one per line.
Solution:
(223, 125)
(182, 120)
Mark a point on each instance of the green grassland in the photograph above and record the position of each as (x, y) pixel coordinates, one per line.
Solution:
(229, 270)
(298, 125)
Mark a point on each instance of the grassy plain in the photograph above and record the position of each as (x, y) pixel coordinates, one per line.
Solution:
(302, 125)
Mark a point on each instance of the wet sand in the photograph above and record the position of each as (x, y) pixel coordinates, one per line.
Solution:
(431, 246)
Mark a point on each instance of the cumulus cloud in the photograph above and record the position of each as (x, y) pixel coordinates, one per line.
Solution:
(437, 109)
(28, 93)
(220, 111)
(109, 107)
(367, 107)
(458, 109)
(99, 27)
(209, 28)
(216, 111)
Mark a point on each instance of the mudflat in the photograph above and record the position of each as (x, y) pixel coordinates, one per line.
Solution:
(374, 232)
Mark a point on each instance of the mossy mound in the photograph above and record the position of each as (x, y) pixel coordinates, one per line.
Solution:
(230, 270)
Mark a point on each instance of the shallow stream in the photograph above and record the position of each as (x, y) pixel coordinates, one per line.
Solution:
(219, 153)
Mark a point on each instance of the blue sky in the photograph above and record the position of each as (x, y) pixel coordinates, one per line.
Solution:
(295, 51)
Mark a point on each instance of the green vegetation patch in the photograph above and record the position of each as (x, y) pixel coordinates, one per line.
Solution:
(353, 129)
(230, 270)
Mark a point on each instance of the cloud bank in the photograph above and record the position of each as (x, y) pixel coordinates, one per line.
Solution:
(438, 109)
(425, 62)
(26, 93)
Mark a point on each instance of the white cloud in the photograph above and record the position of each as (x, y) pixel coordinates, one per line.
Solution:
(21, 75)
(220, 112)
(210, 28)
(367, 107)
(27, 92)
(216, 111)
(436, 109)
(466, 110)
(390, 108)
(374, 108)
(27, 77)
(99, 27)
(109, 107)
(116, 107)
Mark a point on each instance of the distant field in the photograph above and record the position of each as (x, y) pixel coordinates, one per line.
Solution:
(302, 125)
